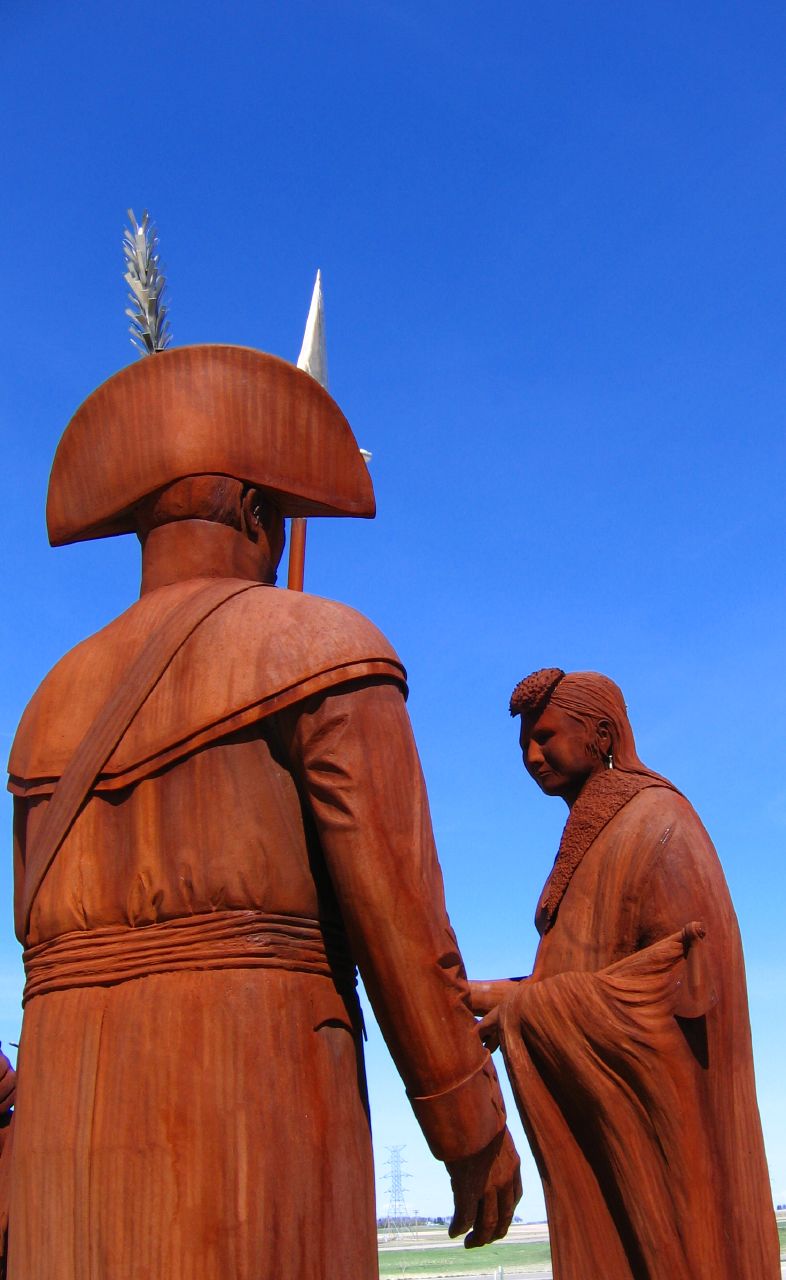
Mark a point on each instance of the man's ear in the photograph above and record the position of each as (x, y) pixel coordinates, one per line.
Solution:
(251, 509)
(262, 522)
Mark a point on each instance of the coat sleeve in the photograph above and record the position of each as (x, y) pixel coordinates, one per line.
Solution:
(357, 766)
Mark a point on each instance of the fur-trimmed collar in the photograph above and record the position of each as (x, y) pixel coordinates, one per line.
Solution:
(599, 800)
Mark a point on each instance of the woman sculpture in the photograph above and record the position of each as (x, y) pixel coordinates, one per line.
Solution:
(629, 1046)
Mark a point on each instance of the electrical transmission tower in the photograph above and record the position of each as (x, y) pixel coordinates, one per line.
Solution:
(399, 1218)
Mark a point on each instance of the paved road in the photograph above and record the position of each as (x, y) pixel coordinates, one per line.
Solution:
(544, 1275)
(510, 1275)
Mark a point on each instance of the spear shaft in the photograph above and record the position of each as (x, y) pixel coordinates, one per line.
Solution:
(312, 359)
(297, 553)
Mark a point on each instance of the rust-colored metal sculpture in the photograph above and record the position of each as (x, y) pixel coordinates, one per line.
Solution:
(219, 812)
(629, 1046)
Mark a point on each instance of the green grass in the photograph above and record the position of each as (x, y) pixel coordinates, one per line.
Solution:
(459, 1261)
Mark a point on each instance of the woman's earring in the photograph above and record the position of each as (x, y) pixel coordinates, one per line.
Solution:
(610, 759)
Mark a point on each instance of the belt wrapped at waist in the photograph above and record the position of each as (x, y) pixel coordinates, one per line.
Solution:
(215, 940)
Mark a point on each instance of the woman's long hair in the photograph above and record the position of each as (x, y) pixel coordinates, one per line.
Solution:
(589, 697)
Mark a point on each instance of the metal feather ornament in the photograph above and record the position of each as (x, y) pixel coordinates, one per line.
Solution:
(149, 326)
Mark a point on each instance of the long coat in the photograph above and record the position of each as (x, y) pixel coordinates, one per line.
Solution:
(644, 1124)
(192, 1102)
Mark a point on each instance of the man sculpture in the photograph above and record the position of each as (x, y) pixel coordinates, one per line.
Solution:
(629, 1046)
(219, 813)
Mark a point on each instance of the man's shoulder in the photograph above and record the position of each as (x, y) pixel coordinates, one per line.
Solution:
(296, 619)
(270, 639)
(260, 646)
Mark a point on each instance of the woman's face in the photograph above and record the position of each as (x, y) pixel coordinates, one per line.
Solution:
(560, 752)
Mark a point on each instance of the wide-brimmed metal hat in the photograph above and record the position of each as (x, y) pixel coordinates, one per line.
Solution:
(204, 410)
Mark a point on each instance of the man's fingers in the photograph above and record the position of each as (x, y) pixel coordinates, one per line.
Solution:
(495, 1214)
(486, 1190)
(485, 1225)
(488, 1029)
(508, 1199)
(463, 1215)
(489, 1022)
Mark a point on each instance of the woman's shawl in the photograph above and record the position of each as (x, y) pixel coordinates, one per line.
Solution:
(605, 1086)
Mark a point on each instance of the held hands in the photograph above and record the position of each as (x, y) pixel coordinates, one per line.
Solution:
(486, 1190)
(486, 998)
(487, 1186)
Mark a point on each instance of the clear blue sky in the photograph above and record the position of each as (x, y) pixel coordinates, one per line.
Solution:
(553, 242)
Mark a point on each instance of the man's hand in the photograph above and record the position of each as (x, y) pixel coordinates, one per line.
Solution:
(488, 1030)
(486, 1190)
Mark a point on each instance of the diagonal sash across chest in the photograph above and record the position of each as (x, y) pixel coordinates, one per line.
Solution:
(112, 721)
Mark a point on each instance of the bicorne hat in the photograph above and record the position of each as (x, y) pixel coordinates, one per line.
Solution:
(204, 410)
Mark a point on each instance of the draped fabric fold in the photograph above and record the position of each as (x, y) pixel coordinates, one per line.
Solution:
(604, 1077)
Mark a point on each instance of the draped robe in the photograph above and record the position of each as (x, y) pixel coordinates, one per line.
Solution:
(192, 1102)
(644, 1124)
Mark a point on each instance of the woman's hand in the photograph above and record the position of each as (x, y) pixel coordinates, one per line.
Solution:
(485, 996)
